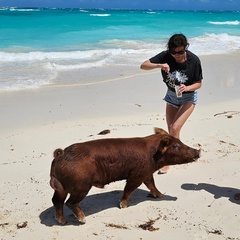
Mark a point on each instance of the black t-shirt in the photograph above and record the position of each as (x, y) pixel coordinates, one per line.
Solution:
(185, 73)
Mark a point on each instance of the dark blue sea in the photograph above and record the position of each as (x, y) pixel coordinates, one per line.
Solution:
(38, 45)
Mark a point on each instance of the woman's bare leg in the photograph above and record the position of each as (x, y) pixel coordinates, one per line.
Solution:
(176, 117)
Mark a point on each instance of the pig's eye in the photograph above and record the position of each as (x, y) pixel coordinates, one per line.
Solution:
(176, 147)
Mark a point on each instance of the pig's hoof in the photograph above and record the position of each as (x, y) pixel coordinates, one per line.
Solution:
(163, 170)
(160, 195)
(61, 220)
(156, 195)
(123, 204)
(81, 220)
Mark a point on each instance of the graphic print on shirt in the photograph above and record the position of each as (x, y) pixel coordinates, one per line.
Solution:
(176, 78)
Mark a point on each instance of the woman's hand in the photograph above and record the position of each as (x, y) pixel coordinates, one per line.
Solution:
(165, 67)
(183, 88)
(190, 88)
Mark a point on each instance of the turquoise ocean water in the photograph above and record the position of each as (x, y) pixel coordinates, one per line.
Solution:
(38, 46)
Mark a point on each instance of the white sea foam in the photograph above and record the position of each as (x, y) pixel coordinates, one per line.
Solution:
(225, 23)
(24, 9)
(3, 8)
(151, 12)
(19, 76)
(83, 10)
(65, 67)
(100, 15)
(206, 44)
(93, 55)
(215, 44)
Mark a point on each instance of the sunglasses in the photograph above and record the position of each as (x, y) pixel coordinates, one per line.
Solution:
(178, 53)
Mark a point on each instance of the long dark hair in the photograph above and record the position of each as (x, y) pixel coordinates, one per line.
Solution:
(177, 40)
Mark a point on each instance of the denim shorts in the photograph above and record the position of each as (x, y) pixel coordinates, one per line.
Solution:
(172, 99)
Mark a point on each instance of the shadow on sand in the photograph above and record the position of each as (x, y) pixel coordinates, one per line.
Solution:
(216, 191)
(99, 202)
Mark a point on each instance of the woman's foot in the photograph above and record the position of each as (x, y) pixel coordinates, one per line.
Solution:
(163, 170)
(237, 196)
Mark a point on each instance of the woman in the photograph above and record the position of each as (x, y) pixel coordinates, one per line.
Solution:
(182, 72)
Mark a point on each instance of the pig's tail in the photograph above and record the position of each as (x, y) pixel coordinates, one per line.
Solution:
(58, 153)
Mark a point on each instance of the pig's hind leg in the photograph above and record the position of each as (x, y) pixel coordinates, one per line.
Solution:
(58, 202)
(73, 204)
(151, 186)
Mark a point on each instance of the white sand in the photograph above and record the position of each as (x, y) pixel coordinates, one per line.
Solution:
(198, 202)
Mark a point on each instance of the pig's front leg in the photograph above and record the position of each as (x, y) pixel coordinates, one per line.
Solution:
(131, 185)
(151, 186)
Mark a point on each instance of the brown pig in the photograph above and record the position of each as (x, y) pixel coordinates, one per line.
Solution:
(96, 163)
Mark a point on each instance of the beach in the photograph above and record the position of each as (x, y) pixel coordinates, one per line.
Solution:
(198, 200)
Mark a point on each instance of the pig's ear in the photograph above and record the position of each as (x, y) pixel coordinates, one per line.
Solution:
(160, 131)
(164, 144)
